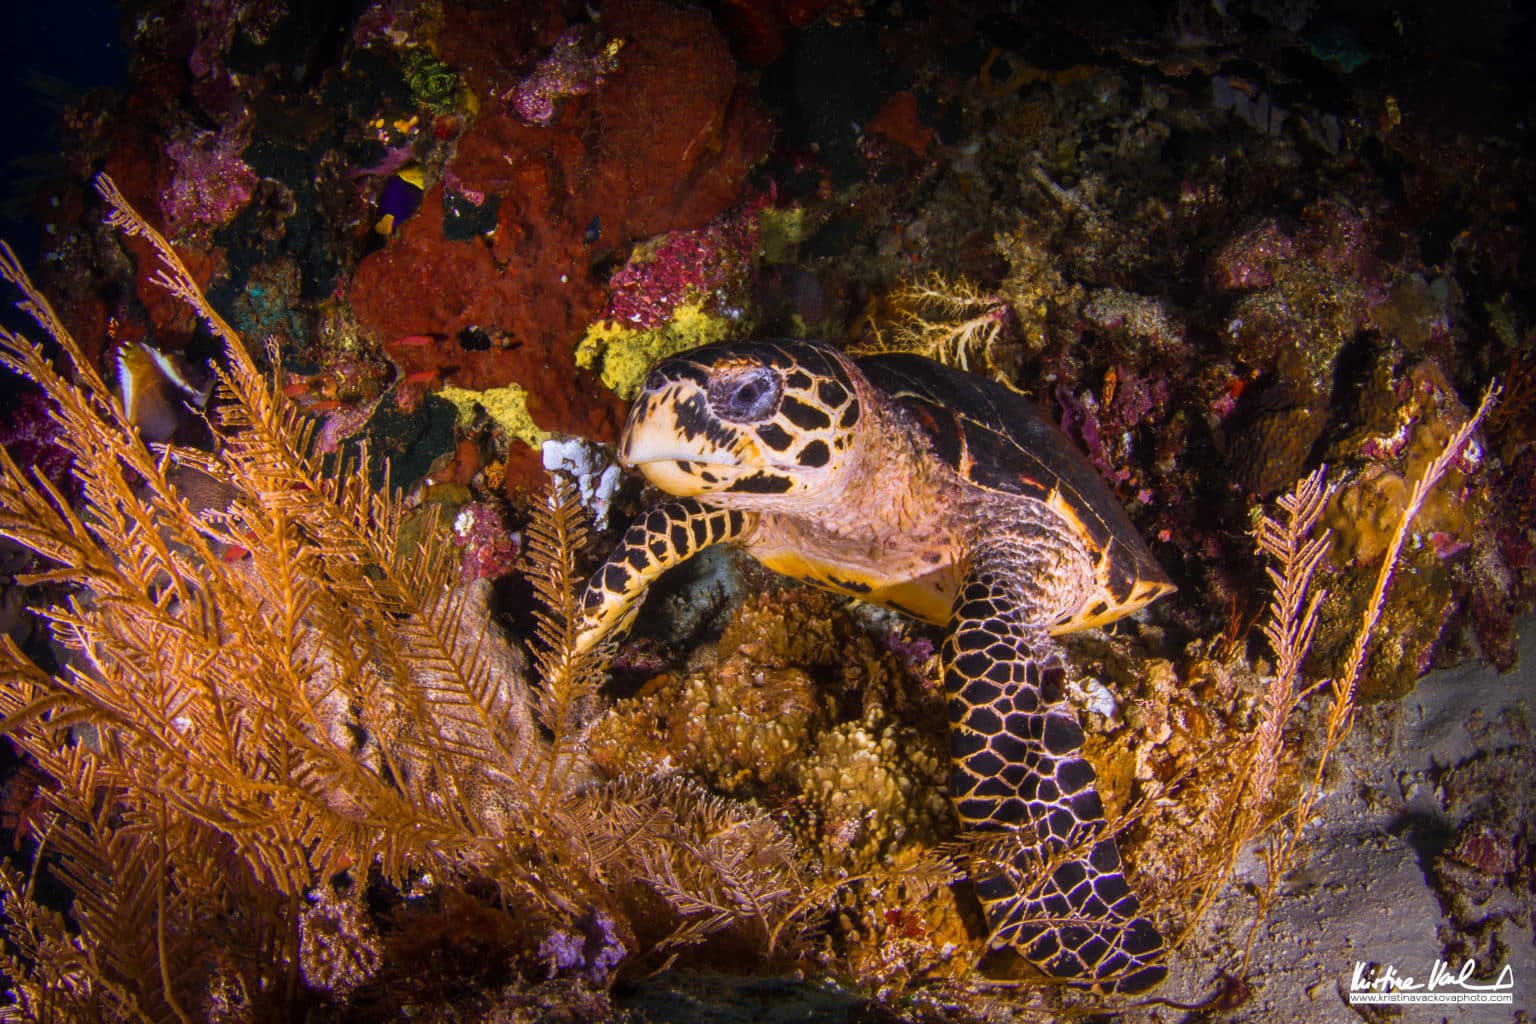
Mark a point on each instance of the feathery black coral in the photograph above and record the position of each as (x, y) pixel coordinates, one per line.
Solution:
(555, 536)
(1294, 548)
(270, 690)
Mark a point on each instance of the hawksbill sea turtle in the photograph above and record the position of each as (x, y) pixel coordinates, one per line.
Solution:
(947, 496)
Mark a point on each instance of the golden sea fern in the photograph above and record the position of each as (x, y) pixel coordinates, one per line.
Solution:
(270, 689)
(1294, 547)
(950, 320)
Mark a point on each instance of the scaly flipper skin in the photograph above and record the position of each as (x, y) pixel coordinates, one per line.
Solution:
(1017, 759)
(668, 535)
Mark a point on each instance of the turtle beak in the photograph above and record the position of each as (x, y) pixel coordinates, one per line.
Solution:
(668, 442)
(654, 435)
(673, 478)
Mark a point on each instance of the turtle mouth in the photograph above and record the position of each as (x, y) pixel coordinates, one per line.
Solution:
(661, 447)
(679, 452)
(680, 478)
(683, 473)
(662, 439)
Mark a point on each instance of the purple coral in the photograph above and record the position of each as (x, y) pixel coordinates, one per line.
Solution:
(212, 183)
(684, 266)
(487, 548)
(1104, 429)
(574, 66)
(1338, 238)
(31, 436)
(592, 953)
(1080, 421)
(1138, 398)
(562, 950)
(1249, 261)
(914, 653)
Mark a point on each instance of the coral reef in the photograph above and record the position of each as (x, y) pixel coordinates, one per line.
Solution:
(1405, 425)
(488, 549)
(802, 707)
(678, 291)
(797, 703)
(1295, 300)
(507, 407)
(870, 788)
(211, 184)
(526, 283)
(574, 66)
(589, 467)
(709, 263)
(237, 746)
(1222, 245)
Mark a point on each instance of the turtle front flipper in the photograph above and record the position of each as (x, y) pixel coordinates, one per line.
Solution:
(667, 535)
(1057, 895)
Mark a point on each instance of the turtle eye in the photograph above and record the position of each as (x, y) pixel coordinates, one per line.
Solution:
(747, 397)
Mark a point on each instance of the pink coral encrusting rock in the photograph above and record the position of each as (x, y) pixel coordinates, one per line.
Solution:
(487, 547)
(1250, 260)
(574, 66)
(683, 266)
(32, 437)
(211, 184)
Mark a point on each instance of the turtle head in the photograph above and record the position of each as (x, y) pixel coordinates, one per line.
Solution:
(745, 423)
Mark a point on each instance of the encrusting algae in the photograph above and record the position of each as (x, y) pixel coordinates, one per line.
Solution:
(507, 407)
(622, 353)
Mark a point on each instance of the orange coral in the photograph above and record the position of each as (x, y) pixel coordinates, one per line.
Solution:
(899, 121)
(605, 173)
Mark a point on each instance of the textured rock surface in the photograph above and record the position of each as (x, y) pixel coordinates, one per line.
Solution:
(1370, 890)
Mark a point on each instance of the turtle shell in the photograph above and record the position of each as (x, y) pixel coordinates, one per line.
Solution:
(998, 441)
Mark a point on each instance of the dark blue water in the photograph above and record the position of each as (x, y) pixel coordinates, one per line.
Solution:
(53, 54)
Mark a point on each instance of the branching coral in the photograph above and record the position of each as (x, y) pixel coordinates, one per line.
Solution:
(798, 704)
(953, 322)
(269, 688)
